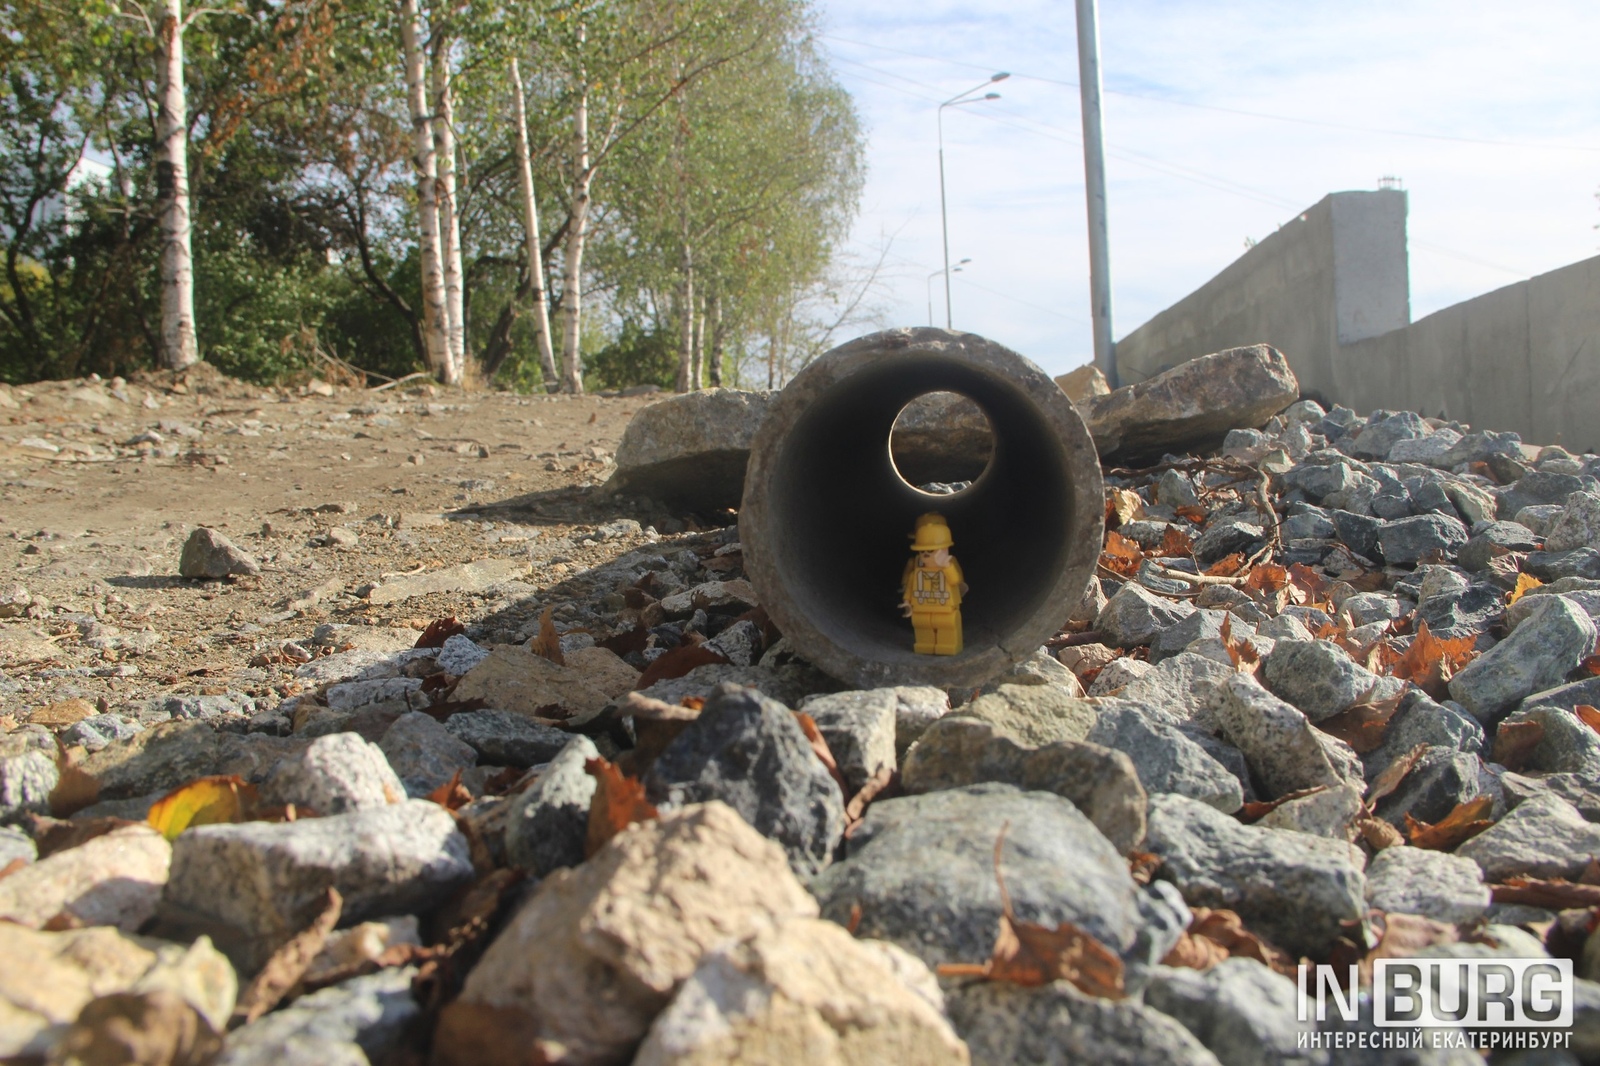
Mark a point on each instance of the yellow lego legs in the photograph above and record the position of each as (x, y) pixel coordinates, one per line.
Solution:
(937, 632)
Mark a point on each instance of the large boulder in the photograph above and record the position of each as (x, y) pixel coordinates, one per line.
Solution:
(1194, 404)
(690, 450)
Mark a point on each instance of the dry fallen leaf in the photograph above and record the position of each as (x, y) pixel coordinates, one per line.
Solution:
(452, 795)
(74, 789)
(1391, 776)
(1463, 823)
(1256, 810)
(1430, 662)
(1143, 866)
(618, 803)
(1175, 543)
(438, 631)
(1191, 513)
(1121, 555)
(1515, 742)
(1526, 583)
(1124, 505)
(884, 783)
(1378, 833)
(819, 746)
(205, 801)
(1588, 715)
(1405, 936)
(1214, 935)
(288, 964)
(1363, 725)
(1246, 660)
(1227, 566)
(1555, 894)
(1308, 585)
(1591, 665)
(1032, 955)
(678, 662)
(547, 643)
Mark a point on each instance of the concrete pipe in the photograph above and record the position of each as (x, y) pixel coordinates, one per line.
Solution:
(826, 517)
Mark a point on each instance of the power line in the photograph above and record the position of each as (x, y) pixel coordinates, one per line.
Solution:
(1347, 127)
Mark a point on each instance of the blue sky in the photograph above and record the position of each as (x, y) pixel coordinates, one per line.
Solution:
(1489, 113)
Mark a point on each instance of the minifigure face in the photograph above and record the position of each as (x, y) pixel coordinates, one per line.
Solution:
(934, 560)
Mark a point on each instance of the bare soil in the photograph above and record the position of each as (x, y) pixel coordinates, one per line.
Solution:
(94, 518)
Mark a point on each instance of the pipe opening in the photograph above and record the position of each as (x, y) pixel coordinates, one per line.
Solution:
(941, 443)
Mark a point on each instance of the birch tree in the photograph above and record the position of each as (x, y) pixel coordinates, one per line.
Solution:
(435, 316)
(444, 141)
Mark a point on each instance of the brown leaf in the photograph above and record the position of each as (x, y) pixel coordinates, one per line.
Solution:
(1268, 579)
(678, 662)
(1310, 586)
(547, 644)
(1378, 833)
(1555, 894)
(1515, 743)
(1391, 776)
(1227, 566)
(819, 745)
(288, 964)
(1190, 513)
(1174, 543)
(1123, 506)
(1256, 810)
(618, 803)
(1214, 935)
(478, 1034)
(1032, 955)
(1143, 866)
(1121, 555)
(629, 640)
(1430, 662)
(884, 784)
(1246, 660)
(1591, 665)
(1407, 935)
(18, 863)
(1588, 715)
(1363, 725)
(452, 795)
(74, 790)
(1460, 825)
(1591, 873)
(439, 630)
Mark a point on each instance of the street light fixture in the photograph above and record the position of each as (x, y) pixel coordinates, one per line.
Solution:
(944, 218)
(929, 286)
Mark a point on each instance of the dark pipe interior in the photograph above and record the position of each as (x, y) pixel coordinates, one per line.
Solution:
(842, 516)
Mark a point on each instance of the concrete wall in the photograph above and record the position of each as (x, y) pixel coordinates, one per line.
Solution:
(1330, 291)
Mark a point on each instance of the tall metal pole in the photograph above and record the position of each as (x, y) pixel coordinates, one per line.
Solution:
(1094, 173)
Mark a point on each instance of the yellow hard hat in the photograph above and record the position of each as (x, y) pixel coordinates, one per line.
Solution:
(932, 534)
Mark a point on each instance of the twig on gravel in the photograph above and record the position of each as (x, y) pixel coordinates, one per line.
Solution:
(401, 381)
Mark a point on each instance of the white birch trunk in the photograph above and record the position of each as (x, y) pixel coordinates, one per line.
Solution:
(714, 323)
(179, 346)
(686, 332)
(572, 291)
(699, 345)
(434, 316)
(530, 226)
(444, 145)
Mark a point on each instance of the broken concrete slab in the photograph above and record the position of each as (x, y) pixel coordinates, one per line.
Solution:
(467, 577)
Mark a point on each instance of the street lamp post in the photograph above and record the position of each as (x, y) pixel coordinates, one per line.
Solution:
(929, 286)
(944, 217)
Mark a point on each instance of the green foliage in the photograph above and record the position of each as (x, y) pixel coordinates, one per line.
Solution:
(720, 137)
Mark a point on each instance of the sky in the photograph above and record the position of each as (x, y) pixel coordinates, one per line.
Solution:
(1488, 113)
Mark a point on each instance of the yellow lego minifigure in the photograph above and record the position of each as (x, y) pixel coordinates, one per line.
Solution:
(933, 589)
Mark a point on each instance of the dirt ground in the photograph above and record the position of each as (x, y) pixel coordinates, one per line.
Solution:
(103, 482)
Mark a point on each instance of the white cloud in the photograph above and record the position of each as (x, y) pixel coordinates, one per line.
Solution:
(1522, 73)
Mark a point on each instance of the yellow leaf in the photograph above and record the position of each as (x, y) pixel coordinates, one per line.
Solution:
(205, 801)
(1525, 584)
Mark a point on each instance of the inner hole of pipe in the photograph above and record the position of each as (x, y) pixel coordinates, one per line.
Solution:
(941, 443)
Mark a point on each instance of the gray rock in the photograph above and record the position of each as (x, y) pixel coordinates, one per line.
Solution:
(1320, 480)
(1493, 540)
(1582, 792)
(1568, 746)
(1201, 625)
(690, 450)
(1100, 782)
(739, 643)
(209, 554)
(99, 730)
(1166, 759)
(1194, 403)
(459, 654)
(504, 739)
(27, 777)
(1446, 888)
(1569, 697)
(424, 753)
(1185, 686)
(1480, 447)
(1419, 720)
(1174, 489)
(400, 694)
(335, 774)
(749, 752)
(362, 1020)
(1540, 486)
(860, 732)
(1576, 591)
(1327, 812)
(1578, 525)
(1293, 888)
(1135, 615)
(1223, 538)
(1424, 449)
(1312, 524)
(267, 879)
(1554, 566)
(1409, 540)
(1542, 837)
(921, 869)
(198, 708)
(14, 845)
(1540, 517)
(1547, 646)
(1034, 714)
(1244, 1012)
(1364, 608)
(1464, 614)
(1056, 1025)
(1439, 781)
(913, 707)
(1473, 503)
(1119, 674)
(548, 822)
(1360, 533)
(788, 685)
(1284, 751)
(1380, 437)
(1317, 677)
